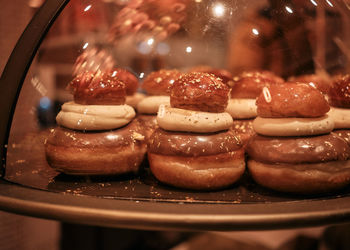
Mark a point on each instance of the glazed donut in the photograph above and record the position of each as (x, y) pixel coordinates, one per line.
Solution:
(339, 93)
(159, 82)
(295, 150)
(313, 80)
(243, 129)
(200, 92)
(305, 165)
(101, 88)
(249, 84)
(148, 124)
(344, 134)
(291, 100)
(196, 161)
(117, 151)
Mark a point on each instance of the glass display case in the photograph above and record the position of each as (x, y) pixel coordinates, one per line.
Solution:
(66, 39)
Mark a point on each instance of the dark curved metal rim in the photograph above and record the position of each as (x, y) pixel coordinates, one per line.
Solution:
(17, 66)
(170, 215)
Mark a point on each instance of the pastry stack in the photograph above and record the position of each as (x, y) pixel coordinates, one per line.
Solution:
(193, 147)
(294, 150)
(97, 132)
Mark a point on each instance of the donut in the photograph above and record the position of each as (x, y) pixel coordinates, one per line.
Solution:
(295, 150)
(249, 84)
(313, 80)
(111, 152)
(159, 82)
(339, 93)
(303, 165)
(243, 129)
(100, 88)
(200, 92)
(148, 124)
(344, 134)
(291, 100)
(196, 161)
(305, 179)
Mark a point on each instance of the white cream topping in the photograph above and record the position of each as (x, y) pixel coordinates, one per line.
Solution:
(150, 104)
(94, 117)
(340, 116)
(293, 126)
(242, 108)
(175, 119)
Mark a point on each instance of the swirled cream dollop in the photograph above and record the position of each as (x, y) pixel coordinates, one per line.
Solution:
(242, 108)
(175, 119)
(94, 117)
(293, 126)
(150, 104)
(341, 117)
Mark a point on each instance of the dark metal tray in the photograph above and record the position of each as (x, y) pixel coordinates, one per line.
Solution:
(33, 188)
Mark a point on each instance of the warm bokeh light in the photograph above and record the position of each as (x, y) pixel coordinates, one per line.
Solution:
(87, 7)
(289, 9)
(218, 10)
(255, 31)
(313, 2)
(329, 3)
(85, 45)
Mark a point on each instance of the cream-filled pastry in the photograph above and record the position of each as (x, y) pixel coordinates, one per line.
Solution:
(339, 97)
(294, 150)
(245, 88)
(193, 147)
(97, 134)
(157, 86)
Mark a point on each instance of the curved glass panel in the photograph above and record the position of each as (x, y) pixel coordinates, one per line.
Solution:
(288, 38)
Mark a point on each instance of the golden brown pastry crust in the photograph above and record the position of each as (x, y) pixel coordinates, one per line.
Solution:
(160, 82)
(339, 93)
(291, 100)
(249, 84)
(303, 178)
(199, 173)
(96, 153)
(101, 88)
(200, 92)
